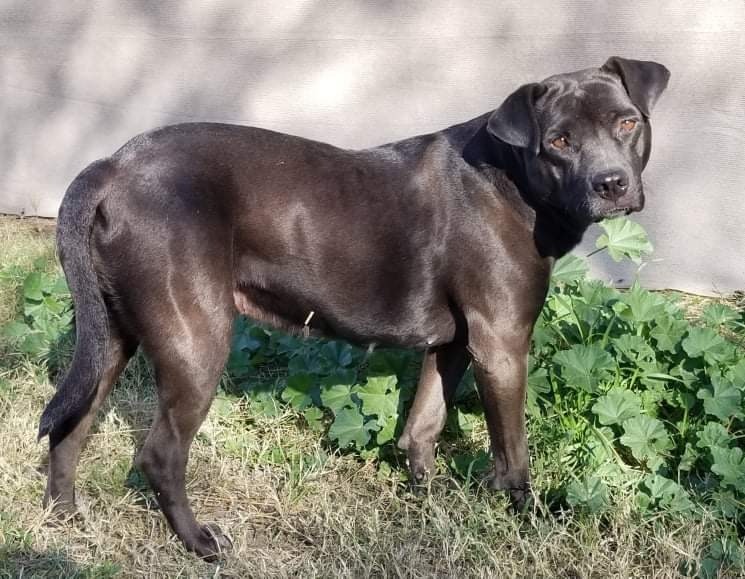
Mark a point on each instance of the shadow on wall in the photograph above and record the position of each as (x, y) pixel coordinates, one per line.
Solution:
(81, 79)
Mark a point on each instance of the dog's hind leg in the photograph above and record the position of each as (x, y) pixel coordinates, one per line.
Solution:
(65, 443)
(442, 369)
(188, 353)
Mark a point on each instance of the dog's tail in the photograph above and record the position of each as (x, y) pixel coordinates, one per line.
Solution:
(74, 225)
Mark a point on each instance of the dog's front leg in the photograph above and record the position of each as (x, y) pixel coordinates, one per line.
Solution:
(442, 369)
(500, 369)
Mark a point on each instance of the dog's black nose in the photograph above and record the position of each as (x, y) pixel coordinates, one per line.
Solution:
(611, 184)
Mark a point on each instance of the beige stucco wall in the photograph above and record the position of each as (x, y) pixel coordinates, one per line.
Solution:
(82, 76)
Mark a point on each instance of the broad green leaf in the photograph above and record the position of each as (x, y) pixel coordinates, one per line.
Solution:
(299, 391)
(16, 330)
(644, 306)
(336, 396)
(32, 286)
(314, 417)
(668, 332)
(338, 353)
(387, 429)
(370, 453)
(239, 365)
(34, 343)
(349, 427)
(384, 471)
(723, 400)
(246, 340)
(646, 437)
(705, 342)
(54, 305)
(543, 335)
(379, 396)
(725, 502)
(467, 420)
(562, 306)
(583, 366)
(466, 390)
(382, 362)
(624, 239)
(595, 293)
(713, 434)
(736, 375)
(287, 344)
(617, 406)
(635, 348)
(658, 486)
(569, 268)
(589, 492)
(668, 494)
(36, 310)
(59, 287)
(730, 465)
(264, 402)
(719, 315)
(589, 314)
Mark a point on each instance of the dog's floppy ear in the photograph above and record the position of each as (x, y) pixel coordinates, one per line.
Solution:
(644, 80)
(515, 121)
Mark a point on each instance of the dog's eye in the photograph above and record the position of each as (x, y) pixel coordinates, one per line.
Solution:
(560, 143)
(628, 125)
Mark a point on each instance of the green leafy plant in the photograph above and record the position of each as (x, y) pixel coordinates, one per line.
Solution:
(647, 398)
(47, 313)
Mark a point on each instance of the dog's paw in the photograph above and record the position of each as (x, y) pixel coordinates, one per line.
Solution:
(517, 487)
(521, 499)
(63, 512)
(210, 543)
(421, 459)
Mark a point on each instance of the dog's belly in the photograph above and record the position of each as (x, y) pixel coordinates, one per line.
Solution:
(331, 310)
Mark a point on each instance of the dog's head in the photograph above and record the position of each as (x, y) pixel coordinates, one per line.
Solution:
(584, 137)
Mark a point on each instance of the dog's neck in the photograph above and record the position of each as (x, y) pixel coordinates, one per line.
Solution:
(555, 231)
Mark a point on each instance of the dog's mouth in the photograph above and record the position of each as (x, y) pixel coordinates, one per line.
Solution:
(623, 206)
(616, 212)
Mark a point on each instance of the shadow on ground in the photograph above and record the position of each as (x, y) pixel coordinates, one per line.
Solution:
(21, 562)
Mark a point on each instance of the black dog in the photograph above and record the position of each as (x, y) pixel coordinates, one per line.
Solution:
(442, 242)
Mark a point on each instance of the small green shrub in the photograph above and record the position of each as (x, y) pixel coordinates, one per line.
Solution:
(47, 314)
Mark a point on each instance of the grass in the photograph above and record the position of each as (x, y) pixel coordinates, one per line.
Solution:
(292, 505)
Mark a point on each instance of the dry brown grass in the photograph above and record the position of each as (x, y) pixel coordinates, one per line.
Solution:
(293, 509)
(291, 506)
(307, 513)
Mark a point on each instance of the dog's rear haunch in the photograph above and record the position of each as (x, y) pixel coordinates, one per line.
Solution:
(442, 242)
